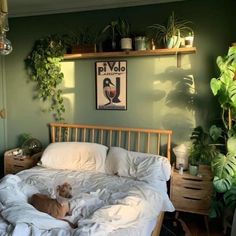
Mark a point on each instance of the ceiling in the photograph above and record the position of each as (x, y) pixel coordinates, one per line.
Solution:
(18, 8)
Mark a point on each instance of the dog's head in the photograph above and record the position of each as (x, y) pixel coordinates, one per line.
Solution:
(64, 190)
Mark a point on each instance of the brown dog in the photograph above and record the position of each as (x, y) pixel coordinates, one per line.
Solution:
(53, 207)
(50, 206)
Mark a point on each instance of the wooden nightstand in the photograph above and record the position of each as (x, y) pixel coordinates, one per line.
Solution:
(15, 163)
(191, 193)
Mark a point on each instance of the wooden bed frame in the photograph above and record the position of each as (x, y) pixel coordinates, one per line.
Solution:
(154, 141)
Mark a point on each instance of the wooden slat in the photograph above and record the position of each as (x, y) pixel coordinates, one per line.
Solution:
(119, 143)
(158, 143)
(138, 144)
(110, 138)
(68, 134)
(84, 134)
(129, 140)
(101, 136)
(76, 134)
(59, 137)
(169, 147)
(53, 134)
(148, 143)
(92, 135)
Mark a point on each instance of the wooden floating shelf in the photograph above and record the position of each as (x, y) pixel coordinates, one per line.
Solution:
(157, 52)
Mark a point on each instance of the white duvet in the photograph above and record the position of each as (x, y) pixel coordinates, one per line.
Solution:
(101, 205)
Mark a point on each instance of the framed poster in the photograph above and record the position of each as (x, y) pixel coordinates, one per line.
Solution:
(111, 85)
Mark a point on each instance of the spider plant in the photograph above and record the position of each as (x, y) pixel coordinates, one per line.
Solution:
(173, 30)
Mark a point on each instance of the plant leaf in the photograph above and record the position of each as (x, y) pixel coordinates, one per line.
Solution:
(215, 85)
(215, 132)
(230, 197)
(222, 185)
(224, 166)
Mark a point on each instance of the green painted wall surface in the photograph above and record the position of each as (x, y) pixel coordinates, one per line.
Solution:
(157, 93)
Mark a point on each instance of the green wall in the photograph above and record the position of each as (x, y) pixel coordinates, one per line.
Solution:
(157, 92)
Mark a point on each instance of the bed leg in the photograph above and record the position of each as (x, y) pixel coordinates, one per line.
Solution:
(157, 229)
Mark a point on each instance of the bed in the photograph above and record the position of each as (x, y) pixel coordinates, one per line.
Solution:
(118, 176)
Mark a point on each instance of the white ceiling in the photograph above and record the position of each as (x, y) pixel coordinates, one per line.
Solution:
(18, 8)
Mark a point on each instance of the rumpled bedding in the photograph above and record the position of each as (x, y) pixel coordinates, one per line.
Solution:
(101, 205)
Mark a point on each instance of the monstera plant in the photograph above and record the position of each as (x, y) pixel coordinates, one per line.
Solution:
(224, 162)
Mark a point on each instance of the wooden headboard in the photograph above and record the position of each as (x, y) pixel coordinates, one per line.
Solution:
(154, 141)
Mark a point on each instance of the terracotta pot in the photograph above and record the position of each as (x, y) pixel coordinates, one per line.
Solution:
(86, 48)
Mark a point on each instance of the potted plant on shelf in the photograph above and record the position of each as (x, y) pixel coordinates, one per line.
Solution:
(111, 28)
(188, 40)
(140, 40)
(123, 28)
(170, 34)
(83, 41)
(224, 163)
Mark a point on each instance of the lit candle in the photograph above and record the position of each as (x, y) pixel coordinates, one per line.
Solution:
(4, 6)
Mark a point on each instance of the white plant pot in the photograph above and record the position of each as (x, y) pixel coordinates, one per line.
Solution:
(126, 43)
(174, 42)
(188, 41)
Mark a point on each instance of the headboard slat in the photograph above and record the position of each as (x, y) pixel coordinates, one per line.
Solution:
(154, 141)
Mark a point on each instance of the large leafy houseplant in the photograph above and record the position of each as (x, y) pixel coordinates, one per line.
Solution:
(224, 163)
(44, 68)
(201, 150)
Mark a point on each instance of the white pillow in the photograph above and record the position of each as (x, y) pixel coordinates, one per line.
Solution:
(141, 166)
(75, 156)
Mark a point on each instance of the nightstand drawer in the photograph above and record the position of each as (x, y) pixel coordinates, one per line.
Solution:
(191, 204)
(188, 182)
(195, 193)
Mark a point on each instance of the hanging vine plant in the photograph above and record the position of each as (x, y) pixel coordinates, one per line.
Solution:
(44, 68)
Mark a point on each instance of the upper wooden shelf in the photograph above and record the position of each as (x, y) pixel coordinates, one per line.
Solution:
(157, 52)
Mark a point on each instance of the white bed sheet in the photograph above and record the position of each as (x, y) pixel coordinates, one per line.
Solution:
(102, 205)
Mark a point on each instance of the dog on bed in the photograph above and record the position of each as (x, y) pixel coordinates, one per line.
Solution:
(57, 208)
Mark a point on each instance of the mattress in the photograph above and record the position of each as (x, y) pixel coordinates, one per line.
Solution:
(101, 205)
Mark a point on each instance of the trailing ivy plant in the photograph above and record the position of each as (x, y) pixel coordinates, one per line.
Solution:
(43, 65)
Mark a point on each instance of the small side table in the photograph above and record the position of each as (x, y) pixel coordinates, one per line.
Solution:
(15, 163)
(192, 194)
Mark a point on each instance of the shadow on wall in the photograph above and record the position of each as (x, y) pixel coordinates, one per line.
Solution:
(181, 101)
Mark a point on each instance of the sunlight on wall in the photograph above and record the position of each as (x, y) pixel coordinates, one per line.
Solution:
(68, 69)
(175, 91)
(69, 101)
